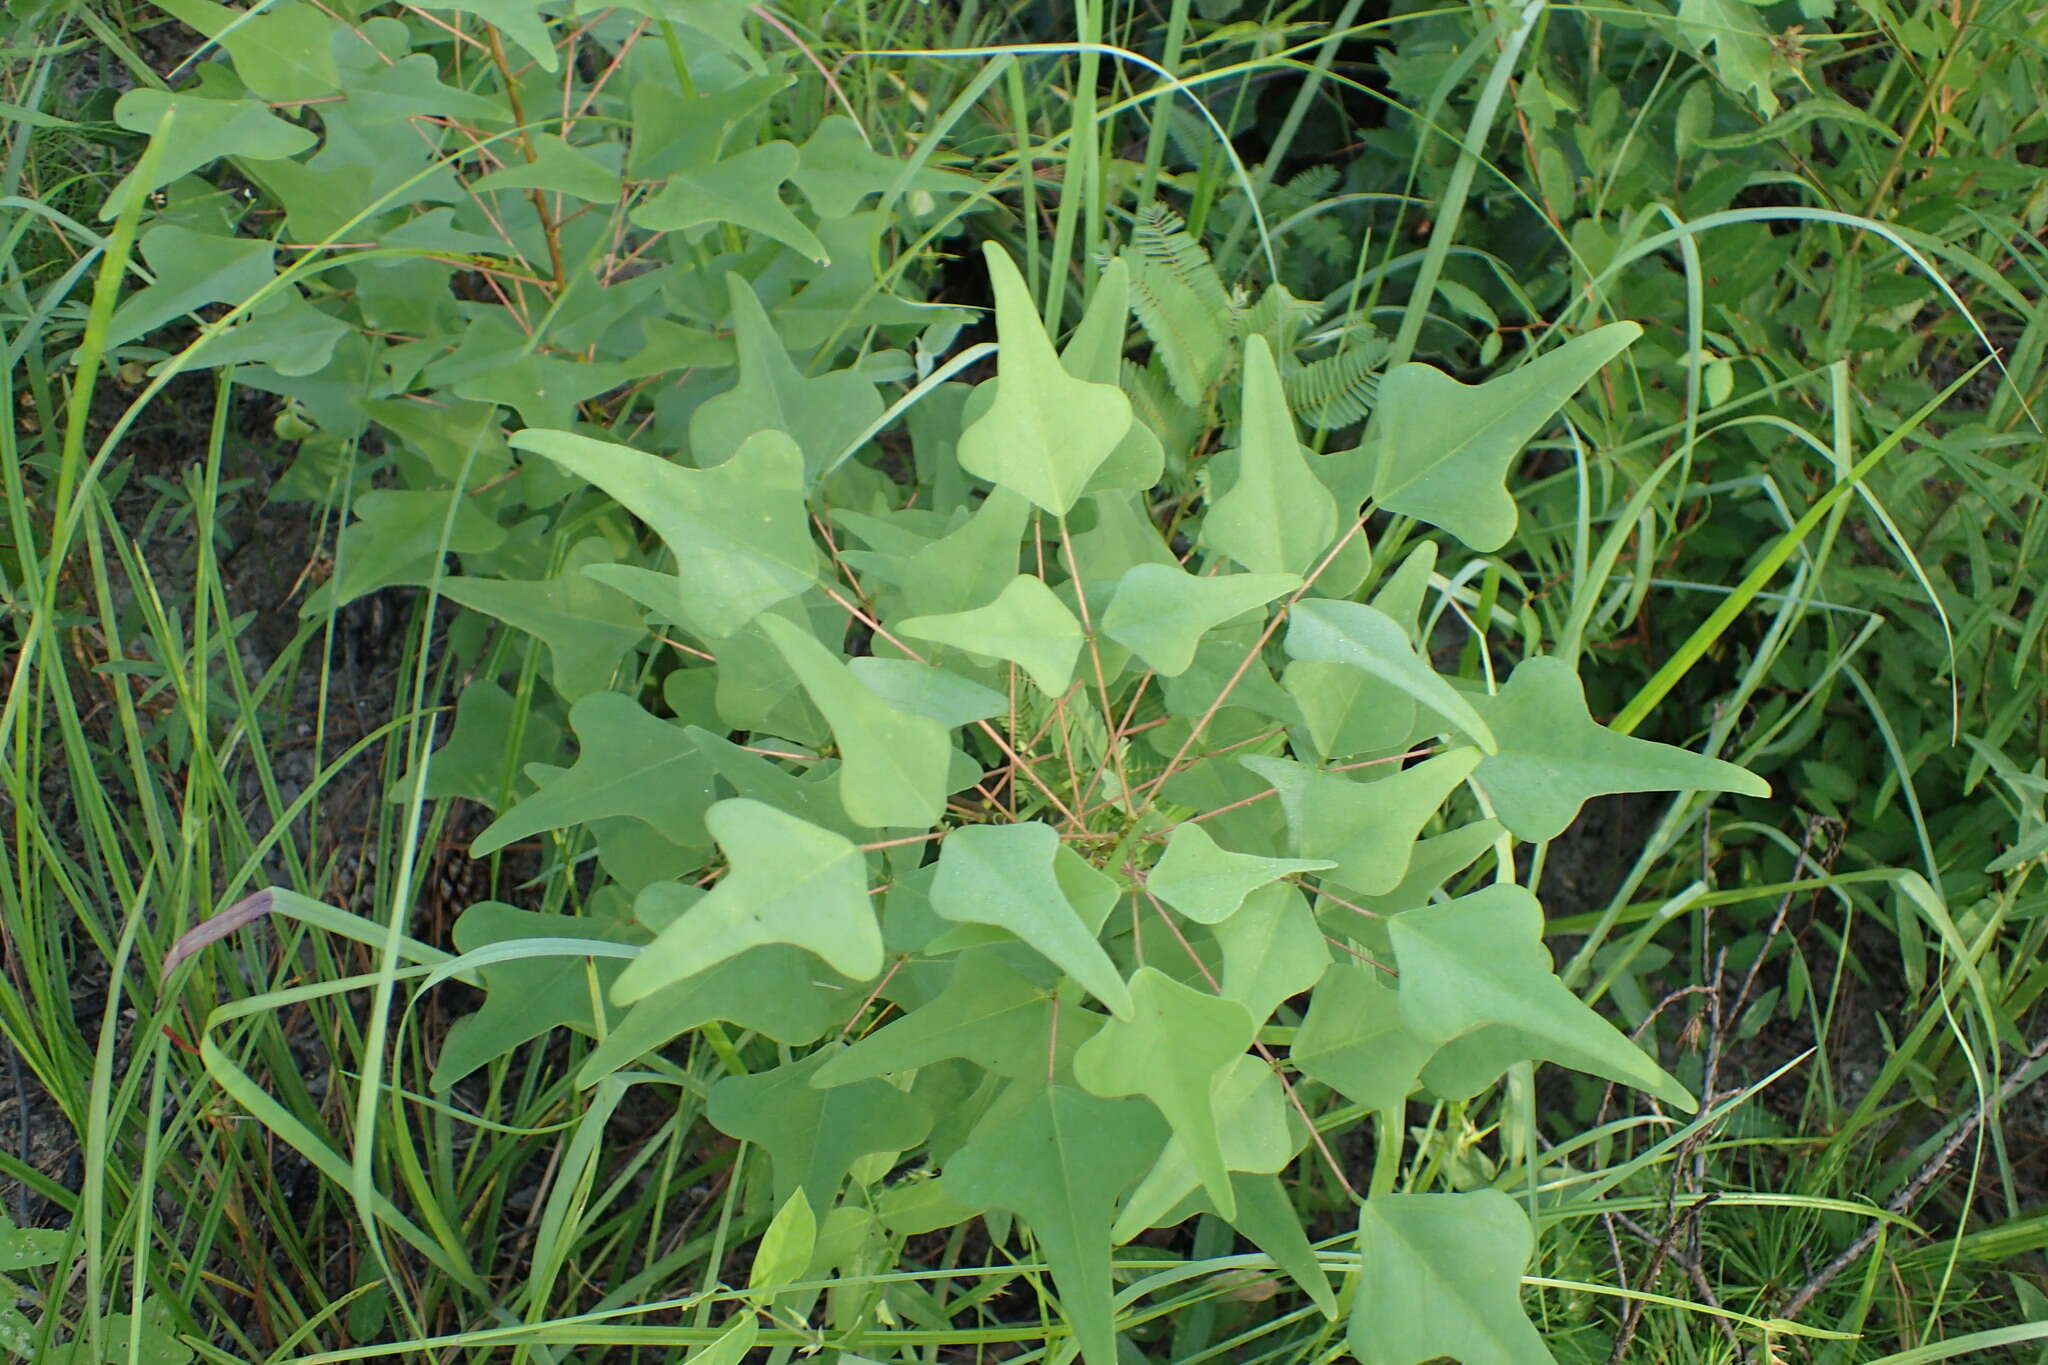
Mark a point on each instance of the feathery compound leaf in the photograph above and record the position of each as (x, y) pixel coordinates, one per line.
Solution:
(1277, 516)
(1047, 432)
(1554, 757)
(1443, 448)
(1480, 960)
(1182, 305)
(790, 882)
(1440, 1277)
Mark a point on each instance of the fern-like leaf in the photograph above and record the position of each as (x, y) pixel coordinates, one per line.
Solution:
(1180, 301)
(1340, 389)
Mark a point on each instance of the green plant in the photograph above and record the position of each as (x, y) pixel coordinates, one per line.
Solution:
(1031, 765)
(1165, 787)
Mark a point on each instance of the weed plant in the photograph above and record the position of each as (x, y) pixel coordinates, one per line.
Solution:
(1012, 606)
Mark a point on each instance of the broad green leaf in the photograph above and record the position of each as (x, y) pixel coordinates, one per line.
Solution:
(475, 763)
(1060, 1160)
(1347, 709)
(1095, 352)
(1047, 432)
(1251, 1120)
(773, 991)
(922, 690)
(1743, 57)
(519, 20)
(1276, 516)
(821, 415)
(1355, 1042)
(1161, 613)
(1436, 860)
(562, 168)
(397, 538)
(1172, 1050)
(496, 362)
(629, 763)
(1268, 1218)
(893, 763)
(1220, 674)
(784, 1252)
(288, 334)
(1554, 757)
(836, 169)
(1368, 828)
(26, 1248)
(202, 130)
(524, 997)
(989, 1014)
(790, 882)
(1207, 882)
(284, 53)
(1443, 448)
(813, 1135)
(587, 627)
(1440, 1276)
(192, 269)
(1004, 875)
(744, 189)
(673, 131)
(1272, 950)
(1366, 638)
(739, 532)
(969, 564)
(1027, 625)
(1480, 960)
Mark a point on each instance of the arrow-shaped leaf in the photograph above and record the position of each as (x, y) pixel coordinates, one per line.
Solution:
(1026, 624)
(1277, 516)
(1480, 960)
(1443, 448)
(1368, 828)
(1047, 432)
(1207, 882)
(1176, 1044)
(1060, 1159)
(1554, 757)
(790, 882)
(892, 763)
(1160, 612)
(1004, 875)
(739, 532)
(1440, 1277)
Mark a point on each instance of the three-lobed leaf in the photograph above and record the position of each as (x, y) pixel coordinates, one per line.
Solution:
(1047, 432)
(790, 882)
(1441, 449)
(1173, 1049)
